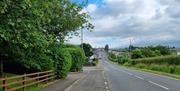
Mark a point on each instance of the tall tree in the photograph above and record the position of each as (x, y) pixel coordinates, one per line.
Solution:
(29, 27)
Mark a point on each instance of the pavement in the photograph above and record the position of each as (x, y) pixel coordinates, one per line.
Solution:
(123, 79)
(91, 79)
(62, 84)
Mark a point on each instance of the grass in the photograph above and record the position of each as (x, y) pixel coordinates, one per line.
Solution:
(29, 88)
(155, 72)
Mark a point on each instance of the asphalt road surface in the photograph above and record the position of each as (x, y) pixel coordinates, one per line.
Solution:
(123, 79)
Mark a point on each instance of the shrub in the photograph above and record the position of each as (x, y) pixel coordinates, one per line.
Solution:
(112, 57)
(177, 70)
(78, 58)
(122, 59)
(137, 53)
(63, 64)
(95, 61)
(62, 59)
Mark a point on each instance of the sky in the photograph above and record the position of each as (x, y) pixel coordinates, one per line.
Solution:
(144, 22)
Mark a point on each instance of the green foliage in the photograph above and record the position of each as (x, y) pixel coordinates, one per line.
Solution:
(173, 69)
(112, 57)
(137, 53)
(122, 59)
(78, 58)
(31, 30)
(171, 59)
(63, 62)
(168, 64)
(150, 51)
(87, 49)
(95, 61)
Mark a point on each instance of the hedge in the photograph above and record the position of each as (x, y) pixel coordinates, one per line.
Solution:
(78, 58)
(63, 63)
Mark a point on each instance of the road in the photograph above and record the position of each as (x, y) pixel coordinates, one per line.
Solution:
(123, 79)
(94, 81)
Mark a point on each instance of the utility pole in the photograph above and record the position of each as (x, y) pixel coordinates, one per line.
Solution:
(81, 38)
(130, 40)
(82, 46)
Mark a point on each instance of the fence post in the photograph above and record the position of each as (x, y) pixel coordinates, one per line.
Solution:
(47, 77)
(24, 82)
(4, 84)
(38, 80)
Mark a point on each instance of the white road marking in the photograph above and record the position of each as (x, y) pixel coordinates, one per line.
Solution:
(139, 77)
(129, 73)
(105, 83)
(106, 88)
(158, 85)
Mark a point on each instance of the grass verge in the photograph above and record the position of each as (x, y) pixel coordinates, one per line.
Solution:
(151, 71)
(155, 72)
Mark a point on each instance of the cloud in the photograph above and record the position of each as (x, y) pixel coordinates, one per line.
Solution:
(149, 22)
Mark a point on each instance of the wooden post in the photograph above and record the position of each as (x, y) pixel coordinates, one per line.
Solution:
(24, 82)
(38, 80)
(1, 67)
(47, 77)
(4, 84)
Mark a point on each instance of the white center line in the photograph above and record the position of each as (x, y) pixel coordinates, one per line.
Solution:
(139, 77)
(159, 85)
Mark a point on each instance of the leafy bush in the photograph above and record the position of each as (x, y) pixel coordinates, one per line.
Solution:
(63, 64)
(87, 49)
(95, 61)
(112, 57)
(122, 59)
(78, 58)
(137, 53)
(177, 70)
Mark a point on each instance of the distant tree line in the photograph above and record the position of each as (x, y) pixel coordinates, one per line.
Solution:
(150, 51)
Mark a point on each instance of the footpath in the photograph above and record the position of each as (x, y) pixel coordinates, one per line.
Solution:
(91, 79)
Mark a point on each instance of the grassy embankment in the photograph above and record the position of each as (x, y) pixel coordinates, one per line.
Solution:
(163, 65)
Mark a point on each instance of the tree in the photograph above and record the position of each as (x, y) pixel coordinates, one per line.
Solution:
(29, 27)
(87, 49)
(106, 48)
(137, 53)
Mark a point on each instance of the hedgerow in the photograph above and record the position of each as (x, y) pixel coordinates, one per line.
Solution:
(170, 59)
(78, 58)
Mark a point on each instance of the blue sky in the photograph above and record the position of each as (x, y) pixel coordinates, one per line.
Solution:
(145, 22)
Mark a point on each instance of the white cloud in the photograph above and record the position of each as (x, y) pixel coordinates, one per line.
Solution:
(147, 21)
